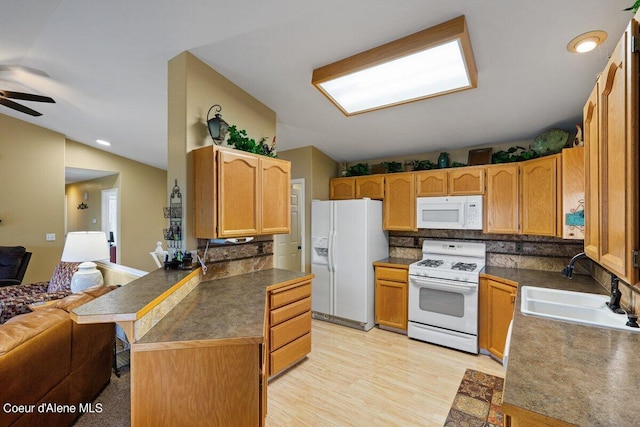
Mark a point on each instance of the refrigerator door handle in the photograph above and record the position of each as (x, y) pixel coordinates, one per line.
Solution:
(330, 251)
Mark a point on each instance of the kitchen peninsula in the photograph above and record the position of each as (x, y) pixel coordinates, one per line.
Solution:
(207, 359)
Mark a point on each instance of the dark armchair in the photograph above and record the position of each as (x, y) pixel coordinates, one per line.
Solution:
(13, 264)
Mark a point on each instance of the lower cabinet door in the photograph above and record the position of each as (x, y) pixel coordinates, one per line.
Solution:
(285, 356)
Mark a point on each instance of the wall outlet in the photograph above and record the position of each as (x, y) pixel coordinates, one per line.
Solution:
(50, 237)
(519, 247)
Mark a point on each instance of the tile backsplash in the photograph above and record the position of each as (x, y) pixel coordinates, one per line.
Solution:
(503, 250)
(229, 259)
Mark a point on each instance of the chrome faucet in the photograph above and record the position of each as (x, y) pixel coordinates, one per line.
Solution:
(568, 270)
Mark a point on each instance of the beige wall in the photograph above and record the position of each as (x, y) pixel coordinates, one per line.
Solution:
(315, 168)
(142, 195)
(32, 193)
(193, 87)
(83, 219)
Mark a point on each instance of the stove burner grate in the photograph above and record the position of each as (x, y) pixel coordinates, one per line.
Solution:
(432, 263)
(464, 266)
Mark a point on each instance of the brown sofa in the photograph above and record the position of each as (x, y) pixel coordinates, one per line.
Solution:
(51, 365)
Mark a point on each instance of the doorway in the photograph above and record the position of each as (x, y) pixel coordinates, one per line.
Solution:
(289, 248)
(110, 221)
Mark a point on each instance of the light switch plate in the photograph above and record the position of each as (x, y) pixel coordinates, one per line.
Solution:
(50, 237)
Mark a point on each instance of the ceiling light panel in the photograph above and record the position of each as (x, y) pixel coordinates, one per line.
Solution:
(429, 63)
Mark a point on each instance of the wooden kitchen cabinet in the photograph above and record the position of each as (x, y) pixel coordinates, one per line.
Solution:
(432, 183)
(497, 302)
(342, 188)
(573, 180)
(371, 186)
(539, 209)
(466, 181)
(612, 156)
(239, 194)
(276, 194)
(392, 286)
(289, 325)
(399, 205)
(501, 203)
(524, 197)
(591, 177)
(450, 182)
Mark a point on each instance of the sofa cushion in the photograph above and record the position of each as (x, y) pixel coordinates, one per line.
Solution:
(20, 329)
(10, 259)
(61, 279)
(35, 357)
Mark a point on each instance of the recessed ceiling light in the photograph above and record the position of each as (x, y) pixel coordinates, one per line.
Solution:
(587, 42)
(429, 63)
(103, 142)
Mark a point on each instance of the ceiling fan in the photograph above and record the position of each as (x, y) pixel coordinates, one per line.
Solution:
(5, 95)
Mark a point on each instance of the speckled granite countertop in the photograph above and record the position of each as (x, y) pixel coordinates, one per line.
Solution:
(228, 308)
(581, 375)
(127, 301)
(395, 262)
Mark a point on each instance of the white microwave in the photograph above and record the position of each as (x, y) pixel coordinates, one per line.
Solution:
(451, 213)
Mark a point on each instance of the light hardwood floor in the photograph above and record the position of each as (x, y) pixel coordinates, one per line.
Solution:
(375, 378)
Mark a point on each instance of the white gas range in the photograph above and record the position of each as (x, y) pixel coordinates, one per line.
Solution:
(443, 294)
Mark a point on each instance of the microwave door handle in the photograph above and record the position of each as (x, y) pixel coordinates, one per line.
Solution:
(444, 286)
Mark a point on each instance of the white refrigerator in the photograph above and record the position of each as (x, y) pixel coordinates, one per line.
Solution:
(346, 238)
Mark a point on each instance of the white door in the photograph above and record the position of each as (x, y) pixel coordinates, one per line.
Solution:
(321, 256)
(350, 262)
(110, 217)
(289, 246)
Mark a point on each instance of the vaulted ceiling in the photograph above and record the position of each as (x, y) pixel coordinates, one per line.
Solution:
(107, 67)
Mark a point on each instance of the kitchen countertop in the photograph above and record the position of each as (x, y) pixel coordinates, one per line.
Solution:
(395, 262)
(229, 308)
(579, 374)
(130, 301)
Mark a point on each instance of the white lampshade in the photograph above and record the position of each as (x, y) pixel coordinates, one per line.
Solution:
(82, 246)
(85, 247)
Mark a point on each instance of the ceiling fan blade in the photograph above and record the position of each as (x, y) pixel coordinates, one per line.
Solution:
(14, 68)
(8, 103)
(25, 96)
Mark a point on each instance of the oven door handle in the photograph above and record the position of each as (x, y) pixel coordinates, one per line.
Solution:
(442, 285)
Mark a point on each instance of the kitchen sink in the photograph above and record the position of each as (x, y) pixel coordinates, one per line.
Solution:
(576, 307)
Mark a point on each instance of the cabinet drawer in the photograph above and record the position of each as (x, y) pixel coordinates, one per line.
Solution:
(288, 311)
(288, 331)
(394, 274)
(282, 297)
(288, 354)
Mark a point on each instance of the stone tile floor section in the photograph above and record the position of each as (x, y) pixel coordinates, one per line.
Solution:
(477, 402)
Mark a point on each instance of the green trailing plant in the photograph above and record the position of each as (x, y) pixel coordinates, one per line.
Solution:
(358, 169)
(239, 139)
(393, 167)
(458, 165)
(513, 154)
(423, 165)
(634, 7)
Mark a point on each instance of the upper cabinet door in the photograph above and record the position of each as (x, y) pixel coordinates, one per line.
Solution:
(466, 181)
(276, 196)
(342, 188)
(618, 88)
(592, 172)
(370, 186)
(399, 205)
(432, 183)
(539, 189)
(501, 204)
(238, 184)
(572, 160)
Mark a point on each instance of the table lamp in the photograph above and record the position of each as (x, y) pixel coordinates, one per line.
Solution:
(85, 247)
